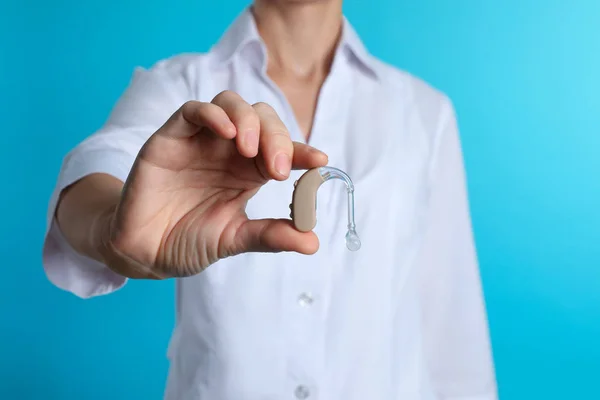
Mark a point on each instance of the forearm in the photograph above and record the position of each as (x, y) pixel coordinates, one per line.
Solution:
(84, 215)
(84, 212)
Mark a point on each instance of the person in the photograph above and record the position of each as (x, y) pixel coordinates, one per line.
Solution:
(191, 177)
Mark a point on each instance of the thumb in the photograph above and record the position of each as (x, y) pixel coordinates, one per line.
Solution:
(276, 235)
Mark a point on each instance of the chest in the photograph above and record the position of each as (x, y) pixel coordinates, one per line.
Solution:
(367, 131)
(376, 140)
(371, 133)
(302, 98)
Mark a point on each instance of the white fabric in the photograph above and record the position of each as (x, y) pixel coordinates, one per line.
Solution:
(402, 318)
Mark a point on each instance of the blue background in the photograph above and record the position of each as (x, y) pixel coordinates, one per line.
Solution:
(524, 76)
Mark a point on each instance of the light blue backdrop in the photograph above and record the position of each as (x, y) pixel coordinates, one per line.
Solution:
(524, 76)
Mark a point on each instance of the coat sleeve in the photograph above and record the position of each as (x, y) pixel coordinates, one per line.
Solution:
(150, 98)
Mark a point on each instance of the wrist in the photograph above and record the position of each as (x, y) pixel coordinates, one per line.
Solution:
(114, 258)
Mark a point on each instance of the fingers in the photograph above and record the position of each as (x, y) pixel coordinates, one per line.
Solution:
(275, 235)
(245, 119)
(190, 118)
(255, 128)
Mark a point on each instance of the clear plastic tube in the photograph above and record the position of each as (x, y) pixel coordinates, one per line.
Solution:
(327, 173)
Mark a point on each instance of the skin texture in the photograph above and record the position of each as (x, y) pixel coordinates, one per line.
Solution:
(182, 207)
(301, 37)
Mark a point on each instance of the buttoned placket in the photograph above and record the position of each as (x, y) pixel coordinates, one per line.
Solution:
(308, 279)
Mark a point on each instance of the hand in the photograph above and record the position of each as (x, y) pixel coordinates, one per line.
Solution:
(183, 205)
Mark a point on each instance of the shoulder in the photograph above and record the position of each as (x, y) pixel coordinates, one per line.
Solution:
(424, 107)
(412, 90)
(177, 65)
(178, 74)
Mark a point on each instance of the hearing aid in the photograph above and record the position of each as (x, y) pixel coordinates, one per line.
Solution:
(304, 201)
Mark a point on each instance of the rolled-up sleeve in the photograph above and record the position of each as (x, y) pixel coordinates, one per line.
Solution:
(455, 326)
(150, 98)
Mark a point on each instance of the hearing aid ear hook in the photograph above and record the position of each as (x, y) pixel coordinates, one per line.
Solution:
(304, 201)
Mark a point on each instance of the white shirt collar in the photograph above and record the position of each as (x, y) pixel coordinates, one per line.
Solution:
(243, 31)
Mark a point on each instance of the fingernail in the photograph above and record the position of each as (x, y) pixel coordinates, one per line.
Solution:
(282, 164)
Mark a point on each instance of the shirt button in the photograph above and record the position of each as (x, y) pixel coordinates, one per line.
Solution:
(305, 299)
(302, 392)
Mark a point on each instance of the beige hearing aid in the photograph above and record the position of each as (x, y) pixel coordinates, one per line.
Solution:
(304, 201)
